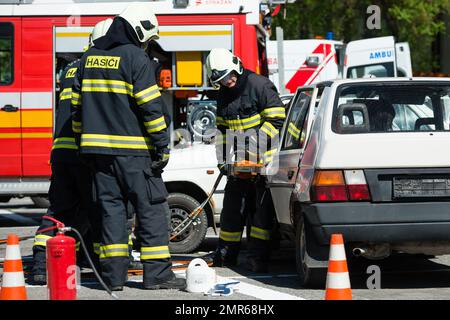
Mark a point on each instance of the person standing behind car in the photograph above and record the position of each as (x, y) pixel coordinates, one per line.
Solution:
(122, 128)
(246, 101)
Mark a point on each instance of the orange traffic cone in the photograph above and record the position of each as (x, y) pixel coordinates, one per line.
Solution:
(338, 280)
(13, 284)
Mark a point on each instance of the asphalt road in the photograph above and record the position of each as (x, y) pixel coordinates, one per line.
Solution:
(401, 277)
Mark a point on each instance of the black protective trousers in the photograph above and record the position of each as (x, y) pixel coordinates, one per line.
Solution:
(246, 202)
(71, 202)
(119, 179)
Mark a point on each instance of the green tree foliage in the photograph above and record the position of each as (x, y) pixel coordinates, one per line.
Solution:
(418, 22)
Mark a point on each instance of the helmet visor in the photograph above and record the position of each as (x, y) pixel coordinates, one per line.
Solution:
(217, 75)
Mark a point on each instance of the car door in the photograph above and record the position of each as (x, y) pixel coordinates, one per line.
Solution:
(10, 98)
(283, 171)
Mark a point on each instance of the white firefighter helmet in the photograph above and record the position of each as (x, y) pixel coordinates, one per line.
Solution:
(143, 21)
(100, 29)
(220, 62)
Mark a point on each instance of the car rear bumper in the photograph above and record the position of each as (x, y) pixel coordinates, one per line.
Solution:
(380, 222)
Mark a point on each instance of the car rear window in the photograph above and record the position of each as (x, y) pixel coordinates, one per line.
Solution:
(367, 108)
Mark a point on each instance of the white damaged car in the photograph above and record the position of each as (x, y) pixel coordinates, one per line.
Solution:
(369, 159)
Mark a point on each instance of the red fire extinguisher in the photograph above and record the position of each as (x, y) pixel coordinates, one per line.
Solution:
(61, 265)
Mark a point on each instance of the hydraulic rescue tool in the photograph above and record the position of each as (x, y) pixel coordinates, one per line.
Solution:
(242, 170)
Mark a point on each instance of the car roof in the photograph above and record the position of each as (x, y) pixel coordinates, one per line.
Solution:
(390, 80)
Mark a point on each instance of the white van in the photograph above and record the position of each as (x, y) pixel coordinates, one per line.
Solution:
(309, 61)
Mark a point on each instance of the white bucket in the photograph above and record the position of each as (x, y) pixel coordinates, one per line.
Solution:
(199, 277)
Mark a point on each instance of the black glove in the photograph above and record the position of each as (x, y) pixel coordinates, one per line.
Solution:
(223, 168)
(162, 159)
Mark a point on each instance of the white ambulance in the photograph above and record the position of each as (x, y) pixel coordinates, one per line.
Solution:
(311, 61)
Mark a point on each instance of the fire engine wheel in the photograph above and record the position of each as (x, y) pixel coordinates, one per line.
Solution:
(180, 206)
(309, 277)
(41, 202)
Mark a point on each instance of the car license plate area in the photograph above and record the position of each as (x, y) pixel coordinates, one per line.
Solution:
(421, 187)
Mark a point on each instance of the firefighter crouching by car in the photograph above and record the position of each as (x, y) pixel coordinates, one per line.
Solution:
(122, 129)
(70, 192)
(246, 101)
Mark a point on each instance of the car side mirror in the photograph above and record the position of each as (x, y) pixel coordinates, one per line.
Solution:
(352, 118)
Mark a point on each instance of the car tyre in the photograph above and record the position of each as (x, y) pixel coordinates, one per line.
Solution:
(181, 205)
(309, 277)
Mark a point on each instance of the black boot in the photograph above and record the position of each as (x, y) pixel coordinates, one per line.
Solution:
(173, 283)
(257, 265)
(223, 258)
(38, 275)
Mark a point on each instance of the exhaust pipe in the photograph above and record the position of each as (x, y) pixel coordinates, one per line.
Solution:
(357, 252)
(373, 252)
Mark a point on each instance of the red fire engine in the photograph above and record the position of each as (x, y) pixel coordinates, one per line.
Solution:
(39, 38)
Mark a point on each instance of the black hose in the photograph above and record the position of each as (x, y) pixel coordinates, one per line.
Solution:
(91, 263)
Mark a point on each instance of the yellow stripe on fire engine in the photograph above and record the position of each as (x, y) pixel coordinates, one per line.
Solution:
(18, 135)
(37, 118)
(9, 135)
(72, 34)
(9, 119)
(37, 135)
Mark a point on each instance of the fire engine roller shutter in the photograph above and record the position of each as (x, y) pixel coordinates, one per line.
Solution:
(72, 39)
(173, 38)
(196, 38)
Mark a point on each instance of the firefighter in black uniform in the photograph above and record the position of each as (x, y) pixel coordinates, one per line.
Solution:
(246, 103)
(122, 128)
(70, 191)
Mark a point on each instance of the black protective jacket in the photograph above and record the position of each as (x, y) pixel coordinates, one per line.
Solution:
(253, 103)
(117, 108)
(64, 147)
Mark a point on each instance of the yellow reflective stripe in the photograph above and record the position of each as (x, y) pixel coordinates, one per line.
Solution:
(155, 125)
(147, 95)
(220, 121)
(268, 155)
(292, 129)
(113, 250)
(103, 85)
(112, 141)
(245, 120)
(96, 246)
(64, 143)
(130, 240)
(276, 112)
(77, 246)
(75, 95)
(230, 236)
(269, 129)
(160, 252)
(109, 82)
(144, 92)
(41, 240)
(259, 233)
(65, 94)
(76, 126)
(76, 99)
(270, 152)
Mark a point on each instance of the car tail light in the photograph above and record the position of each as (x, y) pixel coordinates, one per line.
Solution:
(357, 185)
(331, 186)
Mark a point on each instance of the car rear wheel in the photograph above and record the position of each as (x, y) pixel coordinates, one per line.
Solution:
(309, 277)
(181, 205)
